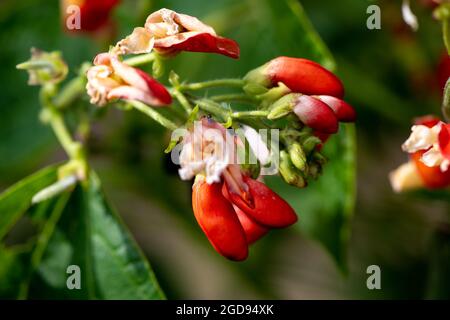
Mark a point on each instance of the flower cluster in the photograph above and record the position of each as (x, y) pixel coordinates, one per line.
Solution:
(429, 150)
(230, 201)
(314, 95)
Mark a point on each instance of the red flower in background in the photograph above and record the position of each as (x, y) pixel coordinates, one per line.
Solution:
(169, 32)
(94, 14)
(429, 149)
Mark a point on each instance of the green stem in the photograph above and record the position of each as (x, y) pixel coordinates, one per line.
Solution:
(70, 92)
(246, 114)
(140, 60)
(58, 125)
(234, 97)
(446, 101)
(214, 108)
(152, 113)
(182, 100)
(238, 83)
(446, 33)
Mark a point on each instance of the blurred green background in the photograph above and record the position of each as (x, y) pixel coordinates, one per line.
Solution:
(390, 75)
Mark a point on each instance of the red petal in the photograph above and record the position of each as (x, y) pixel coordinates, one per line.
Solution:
(433, 177)
(444, 140)
(157, 89)
(428, 120)
(304, 76)
(219, 221)
(316, 114)
(253, 230)
(267, 208)
(197, 42)
(94, 13)
(343, 111)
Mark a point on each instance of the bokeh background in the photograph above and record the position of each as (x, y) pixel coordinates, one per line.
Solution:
(391, 75)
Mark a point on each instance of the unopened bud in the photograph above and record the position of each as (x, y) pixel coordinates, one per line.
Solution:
(298, 157)
(289, 173)
(44, 67)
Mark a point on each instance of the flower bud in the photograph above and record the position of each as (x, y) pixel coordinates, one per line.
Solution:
(289, 173)
(299, 75)
(343, 111)
(298, 156)
(44, 67)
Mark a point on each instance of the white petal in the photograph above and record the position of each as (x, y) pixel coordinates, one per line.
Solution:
(257, 144)
(421, 138)
(405, 177)
(408, 16)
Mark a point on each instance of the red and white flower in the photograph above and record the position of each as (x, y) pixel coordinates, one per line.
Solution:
(168, 32)
(110, 79)
(429, 149)
(232, 209)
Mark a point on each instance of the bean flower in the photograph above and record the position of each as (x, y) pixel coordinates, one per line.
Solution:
(429, 150)
(232, 209)
(111, 79)
(315, 94)
(168, 33)
(94, 14)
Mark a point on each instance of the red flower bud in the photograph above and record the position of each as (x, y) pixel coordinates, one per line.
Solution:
(299, 75)
(262, 205)
(219, 221)
(433, 177)
(315, 114)
(343, 111)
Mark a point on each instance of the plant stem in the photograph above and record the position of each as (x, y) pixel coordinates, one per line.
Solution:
(152, 113)
(58, 125)
(239, 83)
(236, 97)
(70, 92)
(140, 60)
(182, 100)
(213, 108)
(253, 113)
(446, 101)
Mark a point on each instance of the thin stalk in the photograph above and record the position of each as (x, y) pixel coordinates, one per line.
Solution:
(184, 102)
(140, 60)
(238, 83)
(234, 97)
(152, 113)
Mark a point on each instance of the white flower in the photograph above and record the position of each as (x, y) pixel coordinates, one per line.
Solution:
(208, 150)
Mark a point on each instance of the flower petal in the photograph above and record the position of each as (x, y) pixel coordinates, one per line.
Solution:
(444, 140)
(316, 114)
(219, 221)
(406, 177)
(265, 207)
(433, 177)
(139, 41)
(304, 76)
(197, 42)
(253, 230)
(344, 112)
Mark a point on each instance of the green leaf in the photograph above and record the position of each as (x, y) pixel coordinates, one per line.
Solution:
(325, 207)
(91, 235)
(17, 199)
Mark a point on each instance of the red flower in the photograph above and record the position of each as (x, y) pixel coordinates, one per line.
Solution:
(94, 14)
(234, 219)
(110, 79)
(429, 149)
(299, 75)
(169, 33)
